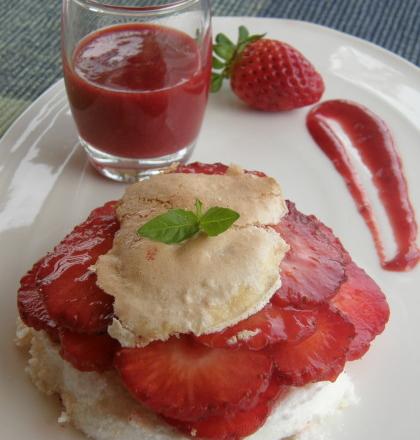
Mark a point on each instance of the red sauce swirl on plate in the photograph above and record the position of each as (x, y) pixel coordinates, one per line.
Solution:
(370, 136)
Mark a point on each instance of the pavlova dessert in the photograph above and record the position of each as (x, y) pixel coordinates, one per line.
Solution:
(201, 305)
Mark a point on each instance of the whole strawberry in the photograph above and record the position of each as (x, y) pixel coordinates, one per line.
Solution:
(266, 74)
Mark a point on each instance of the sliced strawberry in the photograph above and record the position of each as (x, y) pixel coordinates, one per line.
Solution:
(237, 425)
(69, 288)
(86, 242)
(185, 380)
(32, 309)
(77, 303)
(272, 324)
(313, 268)
(88, 352)
(202, 168)
(107, 209)
(362, 302)
(207, 168)
(321, 356)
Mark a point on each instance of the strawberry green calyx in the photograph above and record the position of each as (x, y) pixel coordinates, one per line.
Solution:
(225, 53)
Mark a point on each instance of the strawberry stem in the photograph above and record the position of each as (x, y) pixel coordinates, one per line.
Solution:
(225, 54)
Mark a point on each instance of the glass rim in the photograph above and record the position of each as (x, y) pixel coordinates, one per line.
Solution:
(106, 6)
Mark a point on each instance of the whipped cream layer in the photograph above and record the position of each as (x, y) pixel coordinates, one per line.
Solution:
(201, 285)
(102, 408)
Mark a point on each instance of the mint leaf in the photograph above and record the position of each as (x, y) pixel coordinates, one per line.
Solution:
(174, 226)
(177, 225)
(217, 220)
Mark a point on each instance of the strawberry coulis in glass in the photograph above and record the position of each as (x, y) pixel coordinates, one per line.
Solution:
(371, 137)
(138, 90)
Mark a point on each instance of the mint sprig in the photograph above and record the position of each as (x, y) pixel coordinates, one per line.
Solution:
(216, 220)
(174, 226)
(177, 225)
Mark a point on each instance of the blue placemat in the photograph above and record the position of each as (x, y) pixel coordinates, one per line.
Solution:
(30, 29)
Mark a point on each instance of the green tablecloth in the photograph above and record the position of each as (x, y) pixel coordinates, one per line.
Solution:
(30, 36)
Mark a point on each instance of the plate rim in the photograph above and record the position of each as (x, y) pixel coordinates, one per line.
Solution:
(57, 87)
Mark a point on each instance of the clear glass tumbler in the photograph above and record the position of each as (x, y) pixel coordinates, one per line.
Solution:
(137, 78)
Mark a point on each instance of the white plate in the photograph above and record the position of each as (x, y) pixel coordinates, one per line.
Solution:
(47, 187)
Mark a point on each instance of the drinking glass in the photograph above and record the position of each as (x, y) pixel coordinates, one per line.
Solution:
(137, 78)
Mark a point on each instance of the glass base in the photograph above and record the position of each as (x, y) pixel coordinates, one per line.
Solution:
(124, 169)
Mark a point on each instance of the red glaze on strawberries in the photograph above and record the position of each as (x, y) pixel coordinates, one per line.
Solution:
(272, 324)
(222, 387)
(362, 302)
(321, 356)
(68, 286)
(185, 380)
(88, 352)
(213, 168)
(31, 306)
(313, 269)
(237, 425)
(202, 168)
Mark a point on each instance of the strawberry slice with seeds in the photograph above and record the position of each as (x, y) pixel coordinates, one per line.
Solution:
(68, 286)
(362, 302)
(185, 380)
(210, 168)
(88, 352)
(321, 356)
(202, 168)
(87, 241)
(31, 306)
(237, 425)
(272, 324)
(77, 303)
(313, 269)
